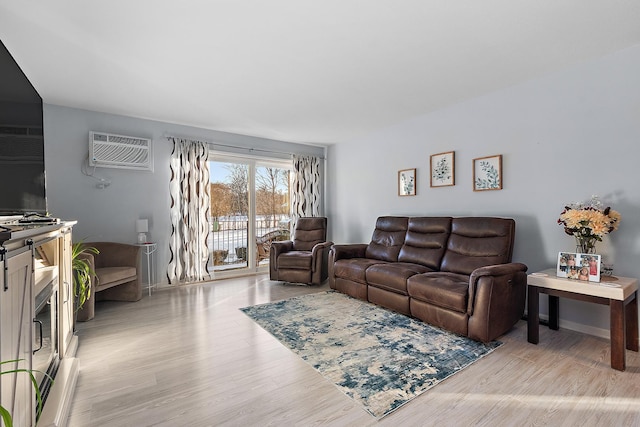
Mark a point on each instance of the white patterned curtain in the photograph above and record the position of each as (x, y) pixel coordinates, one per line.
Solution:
(190, 204)
(305, 187)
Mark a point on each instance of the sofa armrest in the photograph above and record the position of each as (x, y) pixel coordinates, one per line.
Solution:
(497, 295)
(501, 275)
(338, 252)
(357, 250)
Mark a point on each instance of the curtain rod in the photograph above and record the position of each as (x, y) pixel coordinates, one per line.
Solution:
(250, 150)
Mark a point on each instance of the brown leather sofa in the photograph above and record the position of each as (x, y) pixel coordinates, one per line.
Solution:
(118, 275)
(303, 259)
(454, 273)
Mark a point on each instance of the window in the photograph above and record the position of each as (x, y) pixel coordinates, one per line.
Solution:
(250, 202)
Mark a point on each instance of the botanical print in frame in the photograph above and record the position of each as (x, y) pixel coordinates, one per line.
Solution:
(487, 173)
(443, 169)
(407, 182)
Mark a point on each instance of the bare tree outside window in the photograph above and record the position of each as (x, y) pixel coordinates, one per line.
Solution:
(220, 200)
(272, 194)
(238, 185)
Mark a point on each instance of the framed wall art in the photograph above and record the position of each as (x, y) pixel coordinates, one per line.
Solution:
(487, 173)
(407, 182)
(442, 166)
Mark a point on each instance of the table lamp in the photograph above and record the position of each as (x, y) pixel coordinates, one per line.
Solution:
(142, 226)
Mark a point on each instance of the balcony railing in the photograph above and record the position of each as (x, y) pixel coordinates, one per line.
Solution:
(229, 240)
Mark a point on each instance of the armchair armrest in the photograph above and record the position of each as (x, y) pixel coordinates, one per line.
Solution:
(320, 253)
(280, 247)
(114, 254)
(357, 250)
(321, 247)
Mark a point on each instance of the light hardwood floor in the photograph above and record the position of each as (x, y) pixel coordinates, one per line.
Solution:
(187, 356)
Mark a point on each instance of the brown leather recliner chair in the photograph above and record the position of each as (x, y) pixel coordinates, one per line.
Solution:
(303, 259)
(118, 275)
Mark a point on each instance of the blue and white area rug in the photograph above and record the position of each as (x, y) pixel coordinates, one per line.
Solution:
(379, 358)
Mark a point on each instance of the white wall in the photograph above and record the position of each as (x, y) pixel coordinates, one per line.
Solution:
(563, 138)
(110, 214)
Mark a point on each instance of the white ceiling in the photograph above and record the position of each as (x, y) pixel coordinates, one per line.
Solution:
(310, 71)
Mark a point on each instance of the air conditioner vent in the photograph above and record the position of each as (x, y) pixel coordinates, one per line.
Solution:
(118, 151)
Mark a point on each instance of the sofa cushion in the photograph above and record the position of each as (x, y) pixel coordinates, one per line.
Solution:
(298, 260)
(393, 276)
(425, 241)
(387, 238)
(353, 268)
(478, 242)
(112, 276)
(446, 290)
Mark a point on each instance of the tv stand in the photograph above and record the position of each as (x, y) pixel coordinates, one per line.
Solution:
(36, 331)
(36, 218)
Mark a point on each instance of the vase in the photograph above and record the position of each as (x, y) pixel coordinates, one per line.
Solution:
(586, 245)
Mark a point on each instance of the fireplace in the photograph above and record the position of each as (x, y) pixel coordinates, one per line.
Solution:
(45, 351)
(46, 354)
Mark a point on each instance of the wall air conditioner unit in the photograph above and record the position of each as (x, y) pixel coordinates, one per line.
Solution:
(118, 151)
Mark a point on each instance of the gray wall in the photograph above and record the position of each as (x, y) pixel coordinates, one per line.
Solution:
(109, 214)
(563, 138)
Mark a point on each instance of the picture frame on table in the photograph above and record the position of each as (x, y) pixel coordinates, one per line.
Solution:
(407, 182)
(442, 167)
(487, 173)
(579, 266)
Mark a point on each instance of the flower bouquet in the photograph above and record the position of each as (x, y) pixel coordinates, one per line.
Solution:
(588, 222)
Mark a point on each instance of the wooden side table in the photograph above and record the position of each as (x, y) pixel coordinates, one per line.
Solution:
(619, 293)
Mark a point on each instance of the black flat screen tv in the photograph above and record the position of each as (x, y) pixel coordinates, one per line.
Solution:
(22, 173)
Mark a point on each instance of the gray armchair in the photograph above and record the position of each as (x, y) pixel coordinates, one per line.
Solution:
(118, 275)
(303, 259)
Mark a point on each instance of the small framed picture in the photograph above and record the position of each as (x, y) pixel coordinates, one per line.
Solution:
(443, 169)
(407, 182)
(487, 173)
(585, 267)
